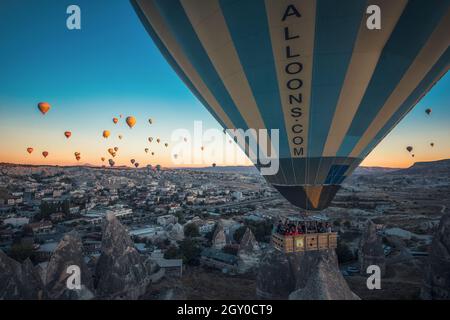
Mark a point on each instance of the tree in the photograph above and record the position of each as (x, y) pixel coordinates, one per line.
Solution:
(172, 253)
(191, 230)
(21, 252)
(344, 253)
(190, 251)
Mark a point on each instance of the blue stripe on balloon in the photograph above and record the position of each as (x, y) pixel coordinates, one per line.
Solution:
(418, 21)
(172, 61)
(248, 26)
(337, 25)
(177, 21)
(442, 64)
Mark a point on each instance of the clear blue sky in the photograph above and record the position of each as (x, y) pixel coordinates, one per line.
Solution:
(112, 67)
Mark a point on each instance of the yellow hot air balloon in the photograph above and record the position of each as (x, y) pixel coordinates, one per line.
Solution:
(44, 107)
(106, 134)
(45, 154)
(30, 150)
(67, 134)
(131, 121)
(115, 120)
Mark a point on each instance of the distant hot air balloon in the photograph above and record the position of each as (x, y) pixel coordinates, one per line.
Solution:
(115, 120)
(30, 150)
(111, 162)
(106, 134)
(111, 151)
(428, 111)
(120, 136)
(131, 121)
(78, 158)
(146, 150)
(214, 165)
(150, 139)
(412, 155)
(76, 154)
(175, 156)
(102, 158)
(44, 107)
(132, 161)
(120, 116)
(409, 148)
(116, 149)
(274, 73)
(185, 139)
(158, 140)
(45, 154)
(136, 164)
(150, 120)
(153, 153)
(114, 154)
(166, 144)
(432, 144)
(67, 134)
(202, 148)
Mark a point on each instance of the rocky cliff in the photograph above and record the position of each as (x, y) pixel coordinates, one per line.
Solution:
(371, 250)
(437, 271)
(19, 281)
(121, 272)
(302, 276)
(68, 253)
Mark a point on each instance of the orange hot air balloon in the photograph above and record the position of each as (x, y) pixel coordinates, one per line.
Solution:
(131, 121)
(132, 161)
(120, 136)
(44, 107)
(111, 151)
(115, 120)
(103, 159)
(116, 149)
(45, 154)
(67, 134)
(78, 158)
(106, 134)
(30, 150)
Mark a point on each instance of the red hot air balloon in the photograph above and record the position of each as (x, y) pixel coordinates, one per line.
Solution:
(45, 154)
(115, 120)
(67, 134)
(30, 150)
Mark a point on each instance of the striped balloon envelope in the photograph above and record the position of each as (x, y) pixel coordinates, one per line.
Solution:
(317, 70)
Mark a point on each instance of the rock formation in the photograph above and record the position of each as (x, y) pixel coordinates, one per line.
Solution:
(219, 239)
(305, 276)
(248, 252)
(437, 271)
(371, 250)
(121, 273)
(68, 253)
(19, 281)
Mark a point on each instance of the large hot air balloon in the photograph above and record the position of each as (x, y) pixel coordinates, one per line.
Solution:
(333, 87)
(67, 134)
(30, 150)
(131, 121)
(44, 107)
(106, 134)
(45, 154)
